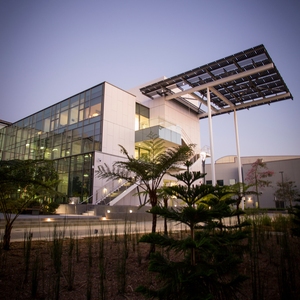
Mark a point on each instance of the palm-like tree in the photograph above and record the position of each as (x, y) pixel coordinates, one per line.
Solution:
(148, 170)
(209, 265)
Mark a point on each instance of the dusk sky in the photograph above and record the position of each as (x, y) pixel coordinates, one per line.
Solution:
(51, 50)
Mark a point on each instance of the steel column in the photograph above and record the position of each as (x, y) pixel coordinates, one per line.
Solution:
(238, 151)
(213, 171)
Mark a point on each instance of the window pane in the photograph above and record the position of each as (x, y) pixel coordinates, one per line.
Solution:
(73, 115)
(63, 118)
(74, 101)
(46, 125)
(96, 91)
(64, 105)
(95, 110)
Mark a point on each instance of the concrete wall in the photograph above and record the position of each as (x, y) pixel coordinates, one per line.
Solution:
(291, 172)
(130, 213)
(118, 120)
(289, 165)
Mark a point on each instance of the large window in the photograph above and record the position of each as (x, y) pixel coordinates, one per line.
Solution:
(142, 115)
(71, 127)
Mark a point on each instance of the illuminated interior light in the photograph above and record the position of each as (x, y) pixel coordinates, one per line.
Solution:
(108, 211)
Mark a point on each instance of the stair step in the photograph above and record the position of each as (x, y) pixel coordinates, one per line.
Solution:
(89, 213)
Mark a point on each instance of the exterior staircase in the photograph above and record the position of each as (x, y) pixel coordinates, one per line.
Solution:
(114, 193)
(89, 213)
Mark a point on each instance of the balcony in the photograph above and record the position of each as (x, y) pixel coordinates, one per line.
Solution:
(161, 129)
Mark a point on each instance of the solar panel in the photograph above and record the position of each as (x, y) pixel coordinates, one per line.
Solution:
(243, 80)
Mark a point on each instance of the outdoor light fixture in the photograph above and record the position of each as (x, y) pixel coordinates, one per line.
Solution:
(203, 157)
(130, 211)
(205, 152)
(108, 211)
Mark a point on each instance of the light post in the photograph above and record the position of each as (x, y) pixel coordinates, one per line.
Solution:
(203, 157)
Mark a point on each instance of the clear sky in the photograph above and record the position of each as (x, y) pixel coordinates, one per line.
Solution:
(51, 50)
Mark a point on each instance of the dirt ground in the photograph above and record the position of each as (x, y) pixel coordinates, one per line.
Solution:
(82, 258)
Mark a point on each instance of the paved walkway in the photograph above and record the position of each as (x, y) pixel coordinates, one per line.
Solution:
(42, 227)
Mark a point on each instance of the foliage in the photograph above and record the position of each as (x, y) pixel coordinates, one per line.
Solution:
(208, 257)
(46, 206)
(21, 183)
(257, 176)
(238, 191)
(148, 170)
(163, 194)
(296, 218)
(287, 191)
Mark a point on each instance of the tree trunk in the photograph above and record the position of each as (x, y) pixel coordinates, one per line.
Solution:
(165, 219)
(193, 252)
(238, 208)
(153, 202)
(7, 234)
(257, 195)
(154, 220)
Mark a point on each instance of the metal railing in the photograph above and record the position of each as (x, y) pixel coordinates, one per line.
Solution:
(111, 187)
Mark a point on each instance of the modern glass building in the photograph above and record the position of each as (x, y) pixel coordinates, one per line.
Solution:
(68, 133)
(85, 130)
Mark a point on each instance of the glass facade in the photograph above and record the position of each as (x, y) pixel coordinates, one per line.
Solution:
(142, 121)
(142, 117)
(67, 132)
(70, 127)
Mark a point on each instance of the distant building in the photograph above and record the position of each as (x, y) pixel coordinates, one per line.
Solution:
(284, 168)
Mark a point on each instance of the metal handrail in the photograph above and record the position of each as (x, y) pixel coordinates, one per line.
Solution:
(108, 189)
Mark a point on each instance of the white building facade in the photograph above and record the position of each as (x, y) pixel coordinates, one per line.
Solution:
(285, 168)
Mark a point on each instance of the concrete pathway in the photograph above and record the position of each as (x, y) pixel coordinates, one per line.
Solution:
(42, 227)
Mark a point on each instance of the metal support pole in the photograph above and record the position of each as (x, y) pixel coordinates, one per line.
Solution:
(203, 168)
(213, 171)
(282, 189)
(238, 152)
